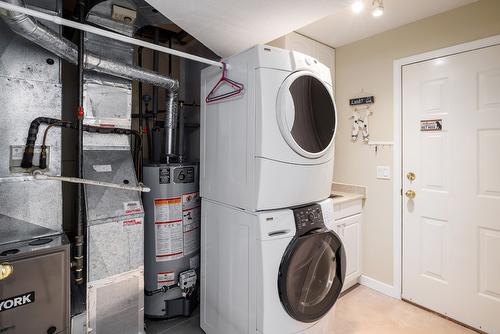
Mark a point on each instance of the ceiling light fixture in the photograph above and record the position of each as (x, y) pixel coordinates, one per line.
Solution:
(357, 7)
(378, 8)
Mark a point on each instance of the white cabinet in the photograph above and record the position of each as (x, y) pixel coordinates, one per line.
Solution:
(349, 230)
(348, 219)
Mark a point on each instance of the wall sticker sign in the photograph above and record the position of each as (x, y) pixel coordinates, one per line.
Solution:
(431, 125)
(362, 100)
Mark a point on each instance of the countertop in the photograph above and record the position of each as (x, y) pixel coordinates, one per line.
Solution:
(342, 192)
(343, 197)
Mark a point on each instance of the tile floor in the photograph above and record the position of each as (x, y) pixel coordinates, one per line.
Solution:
(365, 311)
(360, 311)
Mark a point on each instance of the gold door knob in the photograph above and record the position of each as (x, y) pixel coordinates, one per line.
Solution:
(411, 176)
(410, 194)
(6, 270)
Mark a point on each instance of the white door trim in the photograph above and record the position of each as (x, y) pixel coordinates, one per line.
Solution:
(397, 148)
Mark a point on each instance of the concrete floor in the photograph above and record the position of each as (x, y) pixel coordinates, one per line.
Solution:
(179, 325)
(360, 311)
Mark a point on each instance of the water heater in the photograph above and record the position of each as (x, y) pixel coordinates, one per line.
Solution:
(171, 239)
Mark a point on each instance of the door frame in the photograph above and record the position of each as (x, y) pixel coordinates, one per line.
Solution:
(397, 287)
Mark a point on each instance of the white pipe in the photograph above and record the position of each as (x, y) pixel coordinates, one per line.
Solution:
(15, 179)
(40, 176)
(68, 23)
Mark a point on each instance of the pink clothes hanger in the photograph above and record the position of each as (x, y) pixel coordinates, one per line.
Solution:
(237, 88)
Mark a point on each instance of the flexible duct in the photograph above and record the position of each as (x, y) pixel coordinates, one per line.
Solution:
(43, 36)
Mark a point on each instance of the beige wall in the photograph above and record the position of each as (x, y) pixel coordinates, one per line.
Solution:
(367, 64)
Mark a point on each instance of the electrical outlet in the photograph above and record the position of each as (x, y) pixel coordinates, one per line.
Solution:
(383, 172)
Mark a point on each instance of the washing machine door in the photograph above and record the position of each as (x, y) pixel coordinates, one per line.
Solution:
(306, 114)
(311, 275)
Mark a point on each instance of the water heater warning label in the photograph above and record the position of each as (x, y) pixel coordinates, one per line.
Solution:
(191, 223)
(168, 209)
(177, 226)
(168, 229)
(190, 200)
(191, 205)
(166, 278)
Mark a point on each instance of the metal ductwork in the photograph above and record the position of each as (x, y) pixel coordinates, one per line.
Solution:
(43, 36)
(170, 122)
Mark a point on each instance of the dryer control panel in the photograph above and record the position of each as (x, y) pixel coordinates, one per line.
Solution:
(308, 218)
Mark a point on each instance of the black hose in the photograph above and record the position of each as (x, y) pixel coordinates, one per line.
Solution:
(27, 161)
(35, 124)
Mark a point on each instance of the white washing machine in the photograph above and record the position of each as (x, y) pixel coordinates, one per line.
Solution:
(270, 272)
(271, 147)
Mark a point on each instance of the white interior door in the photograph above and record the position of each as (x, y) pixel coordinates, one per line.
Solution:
(451, 228)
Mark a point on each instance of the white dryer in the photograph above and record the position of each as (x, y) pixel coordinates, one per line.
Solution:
(270, 272)
(271, 147)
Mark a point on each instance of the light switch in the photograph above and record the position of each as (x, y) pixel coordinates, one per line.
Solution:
(384, 172)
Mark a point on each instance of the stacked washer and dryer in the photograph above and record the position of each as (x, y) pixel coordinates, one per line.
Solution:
(270, 261)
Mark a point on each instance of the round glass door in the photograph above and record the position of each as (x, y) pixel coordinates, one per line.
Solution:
(306, 114)
(311, 275)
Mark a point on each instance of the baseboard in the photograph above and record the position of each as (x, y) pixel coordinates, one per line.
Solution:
(381, 287)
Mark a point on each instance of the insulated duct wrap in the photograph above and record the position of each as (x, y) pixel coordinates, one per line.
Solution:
(130, 72)
(39, 34)
(43, 36)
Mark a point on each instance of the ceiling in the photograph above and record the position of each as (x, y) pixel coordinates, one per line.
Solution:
(344, 27)
(230, 26)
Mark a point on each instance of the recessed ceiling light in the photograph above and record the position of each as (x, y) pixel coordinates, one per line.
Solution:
(378, 8)
(357, 7)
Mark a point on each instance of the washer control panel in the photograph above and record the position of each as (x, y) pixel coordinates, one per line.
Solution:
(308, 218)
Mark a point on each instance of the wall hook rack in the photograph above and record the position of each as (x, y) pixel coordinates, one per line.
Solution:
(377, 144)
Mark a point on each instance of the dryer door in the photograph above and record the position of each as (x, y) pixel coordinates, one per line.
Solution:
(311, 275)
(306, 114)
